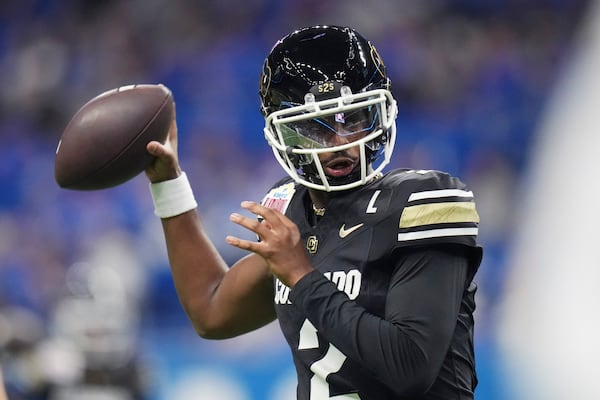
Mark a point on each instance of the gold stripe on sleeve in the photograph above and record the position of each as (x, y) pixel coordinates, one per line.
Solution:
(438, 213)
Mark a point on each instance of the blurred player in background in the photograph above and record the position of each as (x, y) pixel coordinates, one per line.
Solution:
(369, 274)
(87, 348)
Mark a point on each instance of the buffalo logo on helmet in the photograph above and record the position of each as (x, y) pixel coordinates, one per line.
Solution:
(377, 60)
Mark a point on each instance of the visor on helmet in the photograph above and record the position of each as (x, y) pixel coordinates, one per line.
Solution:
(333, 129)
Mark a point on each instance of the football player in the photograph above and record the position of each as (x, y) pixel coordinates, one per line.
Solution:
(369, 274)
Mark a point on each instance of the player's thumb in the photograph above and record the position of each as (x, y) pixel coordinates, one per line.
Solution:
(155, 148)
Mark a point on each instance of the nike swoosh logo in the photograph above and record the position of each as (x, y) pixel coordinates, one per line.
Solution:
(345, 232)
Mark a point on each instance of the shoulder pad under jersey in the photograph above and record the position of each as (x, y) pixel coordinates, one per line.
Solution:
(432, 207)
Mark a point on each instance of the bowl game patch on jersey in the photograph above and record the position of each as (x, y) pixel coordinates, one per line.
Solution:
(279, 198)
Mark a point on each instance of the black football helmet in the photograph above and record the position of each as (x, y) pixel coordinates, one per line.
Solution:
(325, 89)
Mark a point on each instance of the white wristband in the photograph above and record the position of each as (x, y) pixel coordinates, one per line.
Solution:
(172, 197)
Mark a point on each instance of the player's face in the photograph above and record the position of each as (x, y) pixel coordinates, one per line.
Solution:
(341, 163)
(338, 130)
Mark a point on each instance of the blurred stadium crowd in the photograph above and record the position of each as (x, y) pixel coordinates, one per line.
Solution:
(87, 306)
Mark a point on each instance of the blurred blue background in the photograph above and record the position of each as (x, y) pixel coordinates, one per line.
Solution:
(87, 304)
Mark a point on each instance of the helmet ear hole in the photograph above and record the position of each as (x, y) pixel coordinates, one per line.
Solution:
(374, 145)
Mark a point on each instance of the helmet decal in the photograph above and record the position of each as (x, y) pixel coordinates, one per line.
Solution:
(377, 61)
(265, 82)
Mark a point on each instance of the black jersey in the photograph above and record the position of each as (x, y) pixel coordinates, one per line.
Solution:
(391, 293)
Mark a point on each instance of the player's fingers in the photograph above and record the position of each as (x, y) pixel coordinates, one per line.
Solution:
(272, 218)
(163, 151)
(270, 215)
(165, 165)
(167, 148)
(155, 148)
(172, 135)
(261, 229)
(243, 244)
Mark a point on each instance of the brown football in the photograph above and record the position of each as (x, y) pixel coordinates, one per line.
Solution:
(104, 144)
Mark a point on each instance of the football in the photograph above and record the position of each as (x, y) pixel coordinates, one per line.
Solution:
(104, 144)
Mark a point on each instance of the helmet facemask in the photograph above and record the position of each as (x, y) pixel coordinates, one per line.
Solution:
(300, 132)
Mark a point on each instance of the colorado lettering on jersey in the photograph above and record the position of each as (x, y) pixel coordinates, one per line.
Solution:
(282, 293)
(348, 282)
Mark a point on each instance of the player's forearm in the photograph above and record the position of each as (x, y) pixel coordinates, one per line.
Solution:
(221, 302)
(406, 349)
(196, 266)
(388, 353)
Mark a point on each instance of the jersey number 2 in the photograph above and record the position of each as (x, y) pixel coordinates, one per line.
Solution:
(330, 363)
